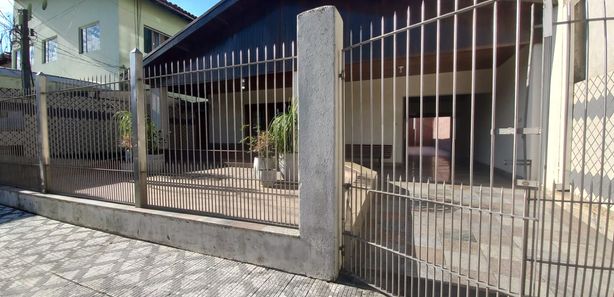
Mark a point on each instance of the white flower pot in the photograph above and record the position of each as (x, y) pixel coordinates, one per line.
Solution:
(268, 177)
(263, 164)
(288, 166)
(155, 163)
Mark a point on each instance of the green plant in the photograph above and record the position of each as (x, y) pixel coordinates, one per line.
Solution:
(124, 121)
(284, 129)
(262, 144)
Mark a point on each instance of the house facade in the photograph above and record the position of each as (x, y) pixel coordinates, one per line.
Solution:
(274, 25)
(91, 37)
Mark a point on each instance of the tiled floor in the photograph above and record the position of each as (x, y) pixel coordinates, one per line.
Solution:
(43, 257)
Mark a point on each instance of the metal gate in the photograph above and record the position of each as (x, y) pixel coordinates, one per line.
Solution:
(472, 166)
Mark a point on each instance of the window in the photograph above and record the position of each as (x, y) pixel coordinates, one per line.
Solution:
(50, 50)
(259, 116)
(153, 39)
(18, 57)
(90, 38)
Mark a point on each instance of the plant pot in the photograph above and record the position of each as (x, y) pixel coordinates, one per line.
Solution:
(128, 156)
(288, 166)
(268, 177)
(266, 163)
(155, 163)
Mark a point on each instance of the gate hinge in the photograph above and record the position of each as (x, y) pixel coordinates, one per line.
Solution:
(347, 186)
(342, 250)
(342, 74)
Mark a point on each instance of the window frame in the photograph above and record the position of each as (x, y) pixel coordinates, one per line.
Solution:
(82, 30)
(45, 57)
(152, 32)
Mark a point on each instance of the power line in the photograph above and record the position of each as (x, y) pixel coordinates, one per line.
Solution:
(62, 13)
(67, 48)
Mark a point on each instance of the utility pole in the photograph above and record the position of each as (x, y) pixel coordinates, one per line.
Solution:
(24, 40)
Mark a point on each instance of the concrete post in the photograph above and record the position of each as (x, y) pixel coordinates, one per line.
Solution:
(43, 130)
(139, 137)
(320, 39)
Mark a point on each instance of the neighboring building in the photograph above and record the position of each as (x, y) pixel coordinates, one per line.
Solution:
(5, 60)
(84, 38)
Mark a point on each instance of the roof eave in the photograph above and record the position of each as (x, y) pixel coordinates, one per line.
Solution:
(189, 29)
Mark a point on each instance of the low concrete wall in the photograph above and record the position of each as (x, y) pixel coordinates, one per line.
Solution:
(270, 246)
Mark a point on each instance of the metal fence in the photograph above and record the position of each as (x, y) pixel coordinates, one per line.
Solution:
(18, 149)
(219, 136)
(450, 124)
(227, 130)
(446, 131)
(85, 139)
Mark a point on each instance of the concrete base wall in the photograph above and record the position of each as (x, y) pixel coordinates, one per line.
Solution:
(270, 246)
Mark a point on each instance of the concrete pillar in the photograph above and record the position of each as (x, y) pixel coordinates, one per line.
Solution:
(139, 137)
(319, 41)
(42, 122)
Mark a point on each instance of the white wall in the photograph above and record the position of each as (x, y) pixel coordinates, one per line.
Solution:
(63, 18)
(529, 100)
(225, 126)
(359, 113)
(561, 84)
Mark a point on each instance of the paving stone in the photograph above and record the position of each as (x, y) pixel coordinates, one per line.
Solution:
(42, 257)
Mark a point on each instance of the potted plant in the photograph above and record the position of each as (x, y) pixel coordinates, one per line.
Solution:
(264, 162)
(284, 131)
(155, 159)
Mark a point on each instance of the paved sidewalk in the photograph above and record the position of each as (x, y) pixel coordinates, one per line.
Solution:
(43, 257)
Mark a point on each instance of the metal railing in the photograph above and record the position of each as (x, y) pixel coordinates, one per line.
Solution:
(18, 139)
(446, 131)
(86, 141)
(227, 130)
(214, 136)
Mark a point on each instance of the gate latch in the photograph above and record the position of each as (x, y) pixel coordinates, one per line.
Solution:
(522, 131)
(529, 184)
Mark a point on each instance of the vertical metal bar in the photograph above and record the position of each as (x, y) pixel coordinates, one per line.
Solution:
(192, 147)
(609, 277)
(214, 204)
(493, 115)
(253, 181)
(584, 152)
(384, 275)
(394, 134)
(43, 130)
(259, 214)
(526, 203)
(603, 149)
(472, 128)
(373, 235)
(137, 106)
(453, 155)
(406, 102)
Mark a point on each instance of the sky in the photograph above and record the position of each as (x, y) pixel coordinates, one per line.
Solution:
(196, 7)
